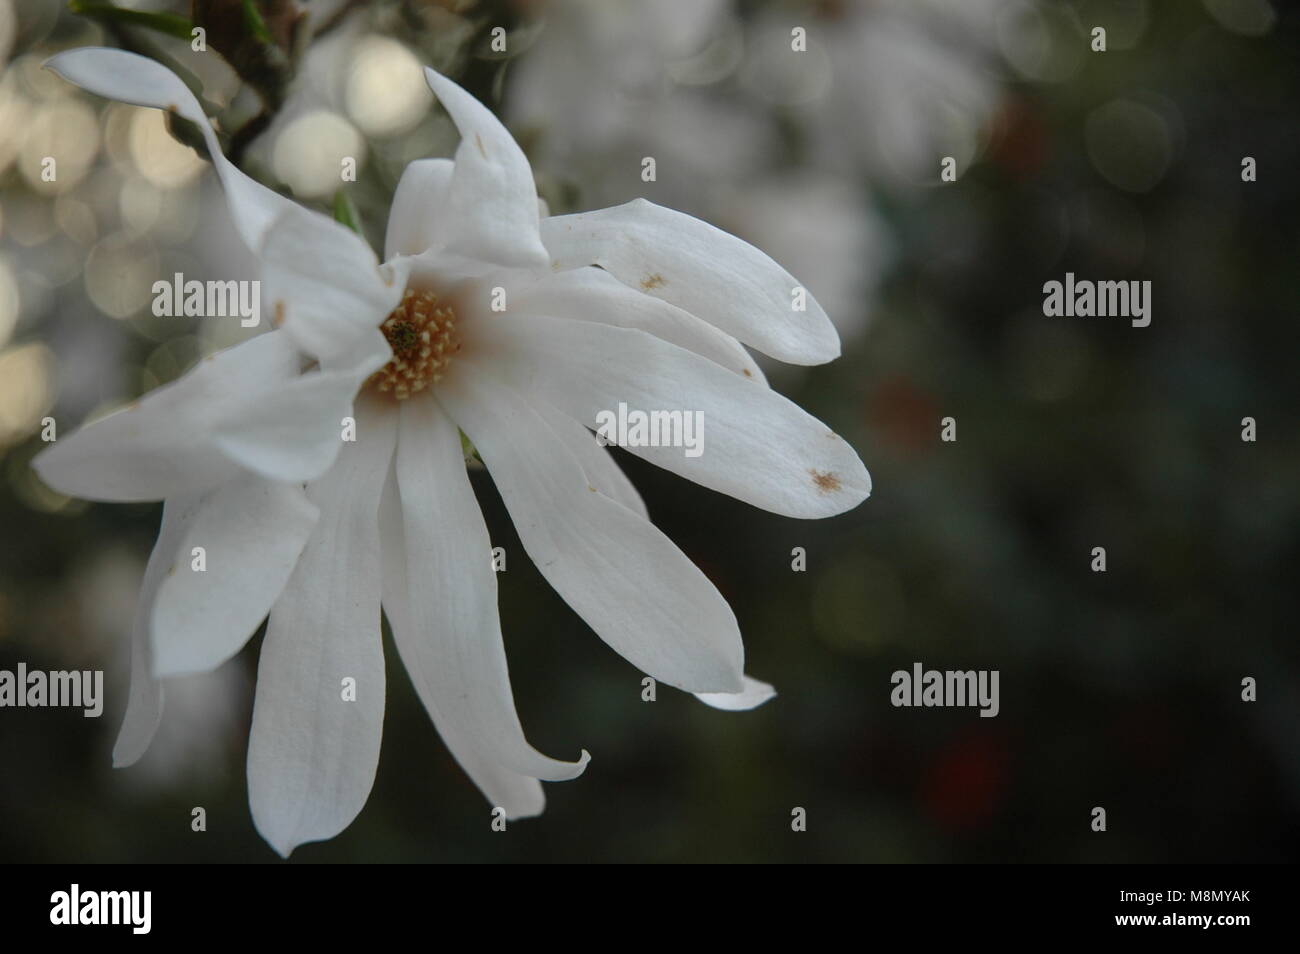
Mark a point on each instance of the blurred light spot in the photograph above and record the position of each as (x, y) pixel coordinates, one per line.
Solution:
(1247, 17)
(778, 75)
(61, 261)
(174, 216)
(309, 152)
(10, 301)
(76, 220)
(160, 158)
(27, 218)
(39, 82)
(26, 390)
(1125, 20)
(140, 204)
(14, 110)
(35, 291)
(8, 29)
(102, 188)
(953, 130)
(120, 272)
(386, 92)
(1129, 144)
(66, 131)
(715, 62)
(116, 120)
(1041, 42)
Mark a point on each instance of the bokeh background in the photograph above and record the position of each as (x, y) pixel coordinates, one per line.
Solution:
(1118, 689)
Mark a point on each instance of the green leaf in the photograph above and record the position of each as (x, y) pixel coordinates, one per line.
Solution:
(256, 25)
(170, 23)
(345, 211)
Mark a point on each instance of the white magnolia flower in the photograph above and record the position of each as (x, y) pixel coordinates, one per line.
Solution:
(319, 531)
(921, 76)
(888, 87)
(594, 133)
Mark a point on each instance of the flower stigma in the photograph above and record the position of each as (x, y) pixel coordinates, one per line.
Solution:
(422, 334)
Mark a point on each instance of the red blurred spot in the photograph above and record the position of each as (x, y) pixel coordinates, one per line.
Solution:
(963, 787)
(906, 417)
(1019, 138)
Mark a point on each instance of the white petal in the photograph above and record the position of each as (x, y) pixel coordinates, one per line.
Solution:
(417, 204)
(491, 206)
(252, 532)
(520, 796)
(711, 274)
(294, 433)
(752, 696)
(311, 753)
(145, 703)
(452, 644)
(324, 284)
(130, 78)
(629, 582)
(590, 294)
(162, 445)
(597, 462)
(758, 446)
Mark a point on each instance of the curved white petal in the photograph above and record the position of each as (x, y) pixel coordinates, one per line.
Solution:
(294, 433)
(591, 294)
(162, 445)
(597, 462)
(758, 446)
(629, 582)
(520, 796)
(145, 702)
(752, 696)
(324, 284)
(312, 751)
(251, 532)
(130, 78)
(491, 206)
(702, 269)
(417, 204)
(452, 642)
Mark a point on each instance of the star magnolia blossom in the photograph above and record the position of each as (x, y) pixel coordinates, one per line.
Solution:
(246, 452)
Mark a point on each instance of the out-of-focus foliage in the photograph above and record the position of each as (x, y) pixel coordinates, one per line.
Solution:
(1118, 689)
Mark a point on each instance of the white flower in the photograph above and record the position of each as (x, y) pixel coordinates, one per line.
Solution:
(903, 83)
(391, 517)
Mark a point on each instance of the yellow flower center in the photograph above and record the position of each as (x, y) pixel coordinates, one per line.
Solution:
(422, 334)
